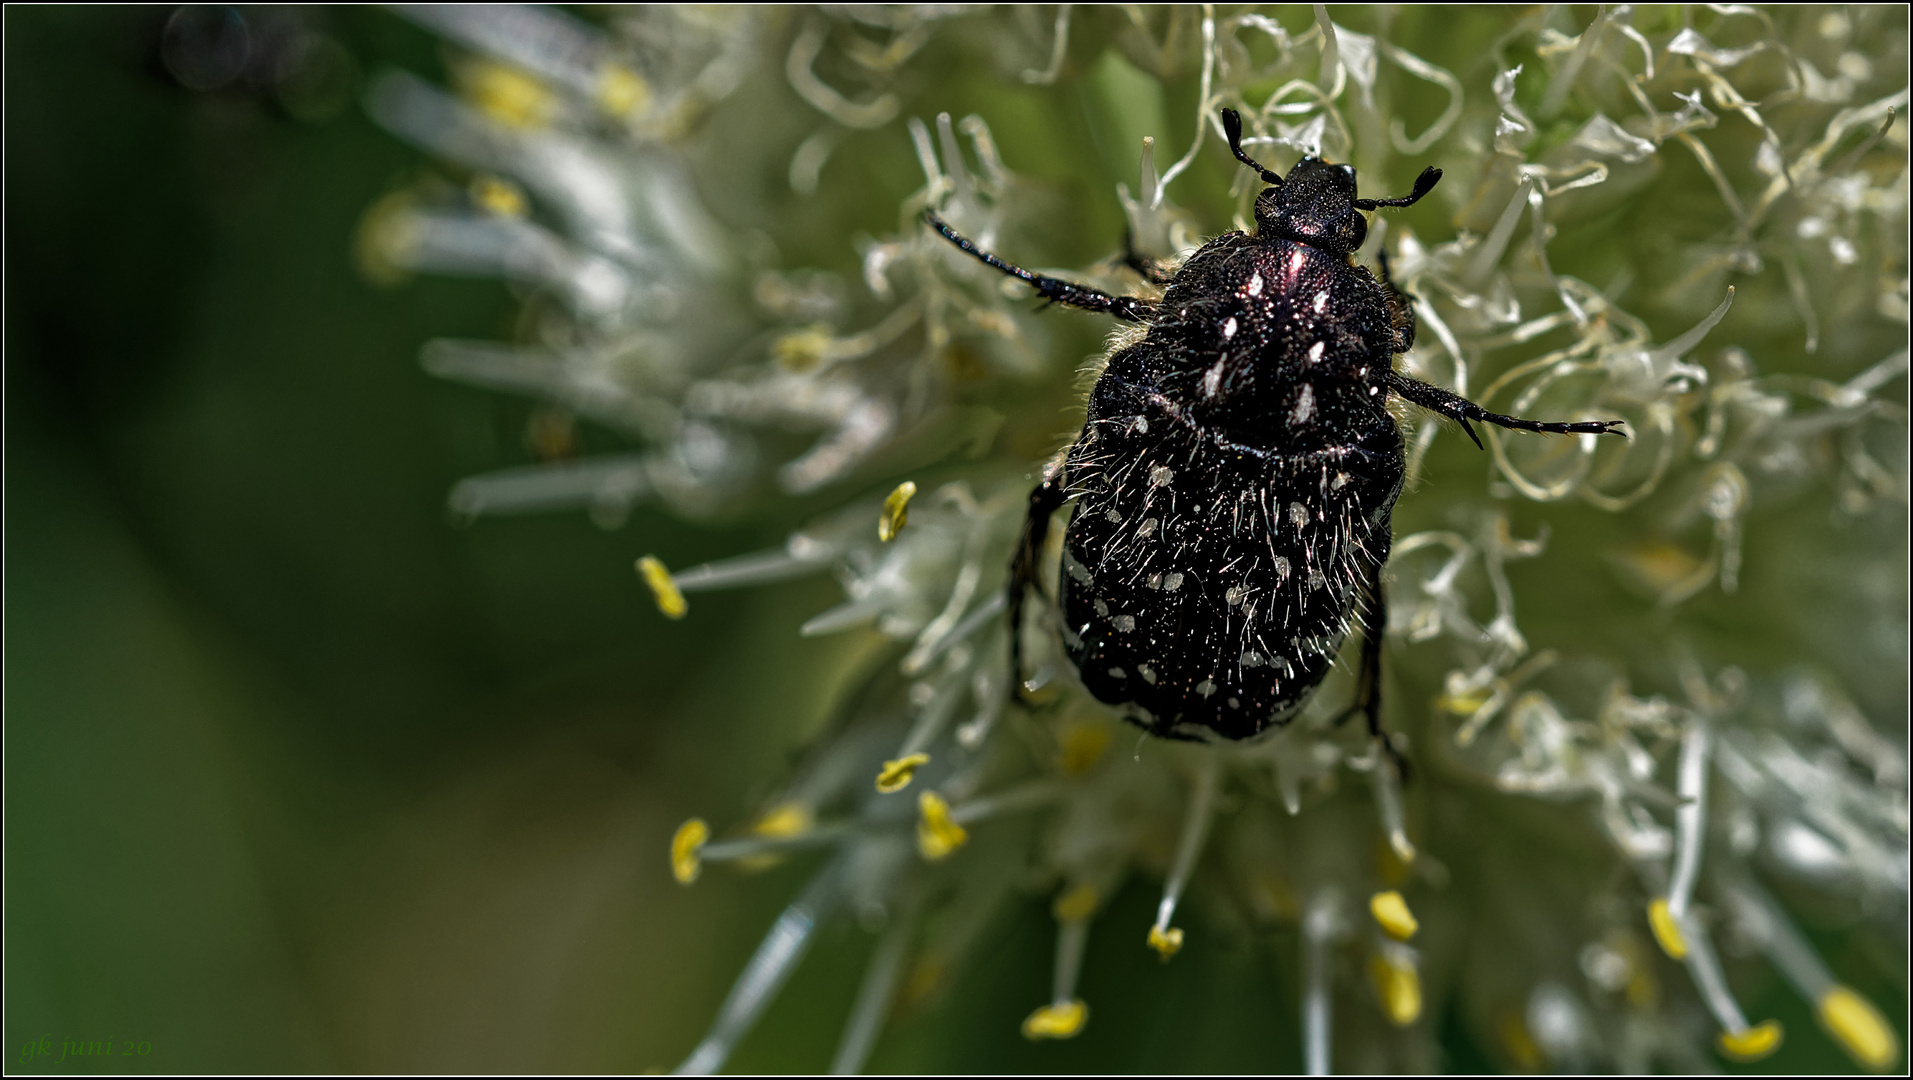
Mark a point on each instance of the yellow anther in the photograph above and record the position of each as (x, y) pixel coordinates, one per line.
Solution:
(622, 92)
(1391, 911)
(1667, 929)
(1465, 702)
(1752, 1044)
(1076, 905)
(512, 96)
(670, 600)
(925, 978)
(499, 196)
(896, 774)
(1166, 940)
(1083, 746)
(1398, 986)
(896, 511)
(802, 350)
(1667, 570)
(685, 846)
(388, 239)
(937, 833)
(784, 820)
(1858, 1026)
(1059, 1021)
(1519, 1044)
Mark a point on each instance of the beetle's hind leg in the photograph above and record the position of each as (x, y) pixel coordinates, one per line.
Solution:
(1045, 500)
(1055, 290)
(1368, 680)
(1461, 410)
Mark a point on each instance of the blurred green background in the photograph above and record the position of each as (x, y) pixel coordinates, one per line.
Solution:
(302, 776)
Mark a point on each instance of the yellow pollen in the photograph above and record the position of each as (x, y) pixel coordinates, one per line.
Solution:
(1060, 1021)
(896, 511)
(1398, 985)
(1752, 1044)
(1667, 930)
(1466, 702)
(802, 350)
(622, 92)
(1083, 746)
(512, 96)
(784, 820)
(1391, 911)
(670, 600)
(685, 845)
(1076, 905)
(937, 834)
(1165, 940)
(388, 238)
(1520, 1045)
(1859, 1027)
(896, 774)
(496, 195)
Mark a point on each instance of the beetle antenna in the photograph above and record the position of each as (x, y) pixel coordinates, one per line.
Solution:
(1424, 184)
(1232, 127)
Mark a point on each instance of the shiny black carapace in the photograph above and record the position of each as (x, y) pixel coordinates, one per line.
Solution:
(1234, 481)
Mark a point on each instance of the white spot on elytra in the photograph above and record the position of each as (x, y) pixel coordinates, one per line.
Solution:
(1148, 673)
(1281, 568)
(1110, 515)
(1316, 580)
(1147, 528)
(1321, 301)
(1124, 623)
(1234, 595)
(1255, 285)
(1161, 475)
(1212, 379)
(1171, 581)
(1076, 570)
(1304, 411)
(1315, 351)
(1251, 659)
(1228, 328)
(1295, 264)
(1206, 687)
(1140, 425)
(1153, 581)
(1341, 479)
(1102, 609)
(1298, 514)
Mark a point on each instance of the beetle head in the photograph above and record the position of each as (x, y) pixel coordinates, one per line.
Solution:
(1316, 203)
(1316, 206)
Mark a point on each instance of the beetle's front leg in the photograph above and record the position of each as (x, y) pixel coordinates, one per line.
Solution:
(1047, 498)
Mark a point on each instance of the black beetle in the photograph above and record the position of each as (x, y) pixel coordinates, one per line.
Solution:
(1236, 474)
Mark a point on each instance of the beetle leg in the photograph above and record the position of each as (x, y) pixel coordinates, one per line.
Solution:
(1461, 410)
(1154, 271)
(1045, 500)
(1401, 311)
(1055, 290)
(1368, 681)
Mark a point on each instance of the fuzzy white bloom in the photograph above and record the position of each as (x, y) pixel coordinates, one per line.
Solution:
(1687, 764)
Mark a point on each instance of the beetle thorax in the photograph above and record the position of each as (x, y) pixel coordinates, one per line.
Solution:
(1290, 349)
